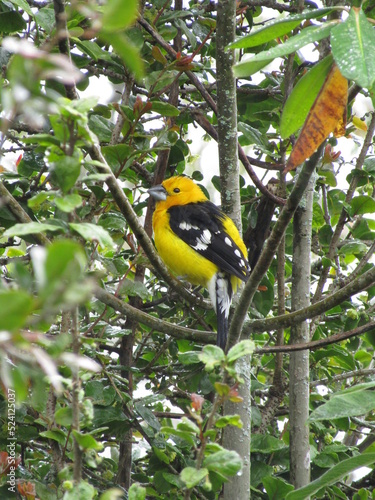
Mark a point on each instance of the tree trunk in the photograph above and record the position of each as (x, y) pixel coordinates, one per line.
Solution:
(234, 438)
(299, 361)
(227, 111)
(239, 439)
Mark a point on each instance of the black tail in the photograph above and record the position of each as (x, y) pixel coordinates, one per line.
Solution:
(222, 328)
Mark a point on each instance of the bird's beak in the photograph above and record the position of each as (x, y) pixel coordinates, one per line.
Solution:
(158, 192)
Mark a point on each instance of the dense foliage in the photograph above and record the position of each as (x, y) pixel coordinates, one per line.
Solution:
(108, 360)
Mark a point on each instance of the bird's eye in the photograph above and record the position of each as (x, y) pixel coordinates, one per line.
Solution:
(176, 190)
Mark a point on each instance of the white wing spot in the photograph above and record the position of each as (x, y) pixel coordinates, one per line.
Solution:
(228, 241)
(238, 253)
(206, 236)
(184, 226)
(203, 240)
(200, 246)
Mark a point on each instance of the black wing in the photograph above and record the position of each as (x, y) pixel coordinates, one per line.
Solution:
(200, 225)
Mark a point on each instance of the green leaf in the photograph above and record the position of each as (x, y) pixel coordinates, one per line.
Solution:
(108, 416)
(68, 203)
(45, 18)
(166, 139)
(325, 235)
(86, 441)
(23, 5)
(65, 172)
(30, 228)
(65, 260)
(350, 41)
(353, 247)
(308, 35)
(92, 232)
(136, 492)
(332, 476)
(117, 155)
(11, 21)
(264, 299)
(302, 97)
(189, 358)
(345, 405)
(234, 420)
(189, 426)
(64, 416)
(186, 436)
(56, 435)
(276, 487)
(102, 127)
(261, 443)
(20, 381)
(326, 460)
(42, 140)
(15, 307)
(99, 393)
(36, 202)
(328, 176)
(259, 471)
(362, 205)
(82, 491)
(92, 49)
(222, 389)
(225, 462)
(117, 14)
(135, 289)
(116, 494)
(358, 387)
(252, 135)
(275, 29)
(163, 457)
(127, 52)
(192, 476)
(147, 415)
(211, 356)
(243, 348)
(369, 165)
(173, 479)
(164, 108)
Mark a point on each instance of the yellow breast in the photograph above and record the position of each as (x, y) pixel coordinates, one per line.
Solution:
(182, 260)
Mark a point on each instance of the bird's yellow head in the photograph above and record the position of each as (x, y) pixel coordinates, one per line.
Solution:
(177, 190)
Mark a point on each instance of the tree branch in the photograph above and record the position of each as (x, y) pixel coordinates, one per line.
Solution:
(271, 247)
(317, 344)
(343, 376)
(19, 213)
(179, 332)
(358, 285)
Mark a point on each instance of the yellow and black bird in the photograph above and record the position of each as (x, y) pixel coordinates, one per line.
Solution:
(199, 243)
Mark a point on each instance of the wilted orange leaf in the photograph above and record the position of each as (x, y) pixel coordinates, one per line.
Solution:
(325, 115)
(339, 130)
